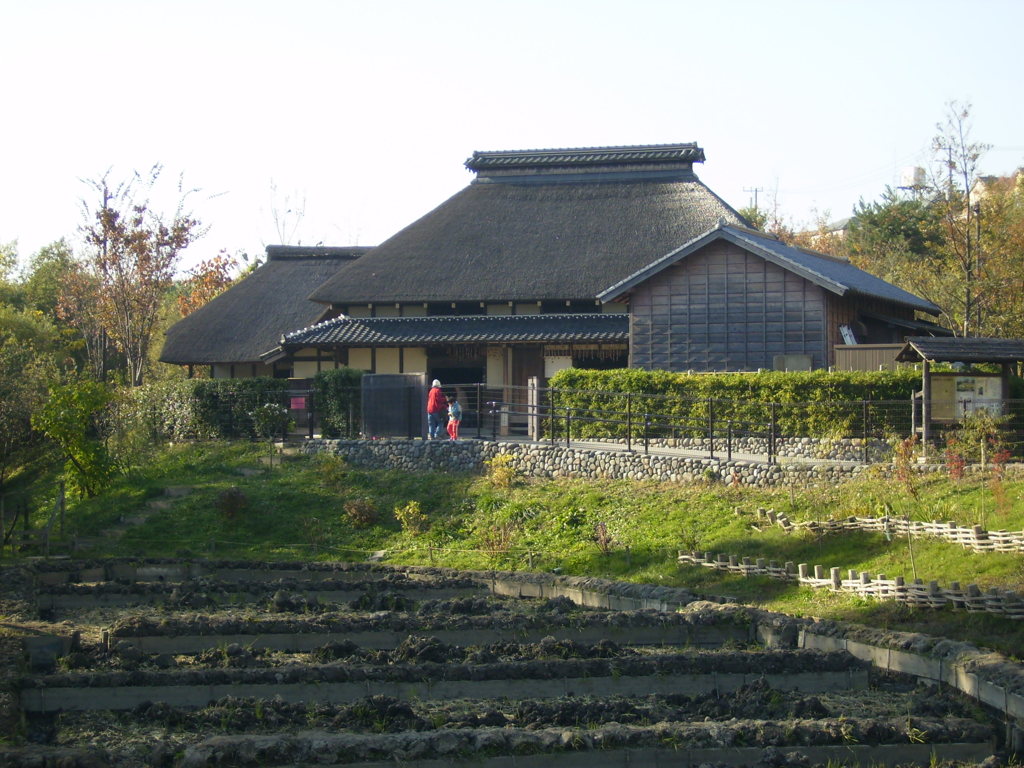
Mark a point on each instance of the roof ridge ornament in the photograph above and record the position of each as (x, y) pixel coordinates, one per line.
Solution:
(583, 157)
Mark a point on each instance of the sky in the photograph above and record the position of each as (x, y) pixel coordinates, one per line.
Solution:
(341, 122)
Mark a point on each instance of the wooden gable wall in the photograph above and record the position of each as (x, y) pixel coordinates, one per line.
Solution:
(725, 309)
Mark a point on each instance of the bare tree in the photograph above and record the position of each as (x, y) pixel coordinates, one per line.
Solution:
(287, 214)
(954, 177)
(133, 251)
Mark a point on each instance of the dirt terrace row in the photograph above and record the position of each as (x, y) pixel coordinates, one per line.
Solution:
(241, 664)
(891, 714)
(843, 741)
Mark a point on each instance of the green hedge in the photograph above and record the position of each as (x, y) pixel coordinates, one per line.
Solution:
(336, 394)
(806, 404)
(225, 408)
(227, 405)
(200, 408)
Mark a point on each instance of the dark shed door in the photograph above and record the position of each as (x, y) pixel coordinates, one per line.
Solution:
(394, 405)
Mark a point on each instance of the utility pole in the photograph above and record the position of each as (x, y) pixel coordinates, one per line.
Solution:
(755, 190)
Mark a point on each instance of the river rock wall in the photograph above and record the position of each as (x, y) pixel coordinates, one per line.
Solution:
(547, 460)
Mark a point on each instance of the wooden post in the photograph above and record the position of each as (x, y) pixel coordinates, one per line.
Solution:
(533, 408)
(61, 499)
(801, 571)
(837, 579)
(926, 405)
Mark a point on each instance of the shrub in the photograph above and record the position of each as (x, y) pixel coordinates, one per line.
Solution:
(270, 420)
(411, 518)
(201, 409)
(337, 398)
(362, 512)
(331, 470)
(979, 435)
(72, 417)
(164, 410)
(604, 540)
(232, 502)
(500, 472)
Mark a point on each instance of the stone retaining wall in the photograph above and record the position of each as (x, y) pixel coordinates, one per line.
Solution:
(546, 460)
(840, 449)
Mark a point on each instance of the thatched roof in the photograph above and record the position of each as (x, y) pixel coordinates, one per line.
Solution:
(972, 349)
(461, 329)
(250, 317)
(835, 275)
(541, 224)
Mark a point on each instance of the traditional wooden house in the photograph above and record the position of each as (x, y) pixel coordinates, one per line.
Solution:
(229, 334)
(519, 256)
(735, 299)
(601, 257)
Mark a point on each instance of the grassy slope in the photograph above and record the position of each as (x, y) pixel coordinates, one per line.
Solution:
(298, 511)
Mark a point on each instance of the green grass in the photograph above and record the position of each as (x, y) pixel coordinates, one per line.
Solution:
(296, 510)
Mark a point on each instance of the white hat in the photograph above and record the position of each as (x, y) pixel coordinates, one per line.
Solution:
(435, 383)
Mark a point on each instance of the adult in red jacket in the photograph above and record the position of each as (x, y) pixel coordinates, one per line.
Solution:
(437, 407)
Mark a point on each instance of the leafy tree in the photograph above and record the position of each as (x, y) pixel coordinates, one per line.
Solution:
(206, 281)
(9, 291)
(78, 306)
(770, 220)
(1000, 224)
(45, 274)
(133, 253)
(28, 341)
(43, 281)
(897, 238)
(959, 242)
(72, 417)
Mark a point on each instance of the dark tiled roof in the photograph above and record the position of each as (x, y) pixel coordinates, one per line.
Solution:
(836, 275)
(650, 154)
(462, 329)
(541, 241)
(961, 350)
(921, 326)
(249, 318)
(312, 251)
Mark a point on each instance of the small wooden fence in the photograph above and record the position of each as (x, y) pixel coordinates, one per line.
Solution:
(974, 538)
(930, 595)
(15, 510)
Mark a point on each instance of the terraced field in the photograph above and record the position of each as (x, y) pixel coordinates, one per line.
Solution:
(242, 664)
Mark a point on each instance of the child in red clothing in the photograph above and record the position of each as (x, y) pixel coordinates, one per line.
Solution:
(454, 417)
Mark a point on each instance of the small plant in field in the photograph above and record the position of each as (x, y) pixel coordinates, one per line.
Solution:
(999, 458)
(232, 502)
(331, 470)
(412, 519)
(604, 539)
(903, 457)
(980, 435)
(496, 538)
(500, 471)
(361, 512)
(270, 420)
(955, 460)
(313, 529)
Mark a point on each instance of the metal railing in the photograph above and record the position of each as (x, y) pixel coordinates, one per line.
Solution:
(855, 430)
